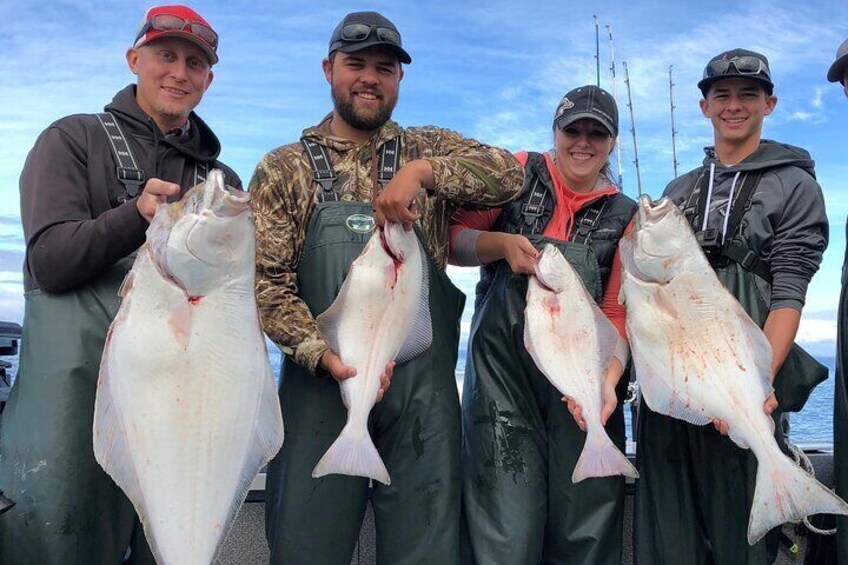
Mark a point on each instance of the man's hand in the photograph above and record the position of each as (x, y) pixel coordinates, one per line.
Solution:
(156, 192)
(397, 203)
(769, 406)
(333, 364)
(519, 253)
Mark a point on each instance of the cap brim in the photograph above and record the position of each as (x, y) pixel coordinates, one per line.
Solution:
(210, 54)
(565, 121)
(353, 47)
(703, 84)
(837, 69)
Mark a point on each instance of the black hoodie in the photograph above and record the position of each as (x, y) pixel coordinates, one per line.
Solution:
(76, 218)
(786, 223)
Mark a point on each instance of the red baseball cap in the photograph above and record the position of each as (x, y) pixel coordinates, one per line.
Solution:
(178, 21)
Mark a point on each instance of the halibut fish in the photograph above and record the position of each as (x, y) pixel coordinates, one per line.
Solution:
(187, 412)
(381, 314)
(699, 357)
(572, 343)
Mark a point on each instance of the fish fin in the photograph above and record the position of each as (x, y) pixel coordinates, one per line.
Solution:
(607, 334)
(601, 458)
(420, 336)
(110, 440)
(786, 493)
(330, 319)
(129, 279)
(354, 455)
(267, 441)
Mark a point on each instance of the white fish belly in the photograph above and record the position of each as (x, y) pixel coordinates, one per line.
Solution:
(177, 422)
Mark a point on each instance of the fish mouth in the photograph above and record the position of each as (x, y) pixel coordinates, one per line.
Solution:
(388, 238)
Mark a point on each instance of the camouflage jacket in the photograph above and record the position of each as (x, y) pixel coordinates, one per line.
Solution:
(284, 194)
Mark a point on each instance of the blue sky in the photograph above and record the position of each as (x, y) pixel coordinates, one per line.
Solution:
(493, 70)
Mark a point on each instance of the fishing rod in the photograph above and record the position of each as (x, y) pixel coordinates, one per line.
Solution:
(597, 53)
(615, 97)
(673, 131)
(632, 127)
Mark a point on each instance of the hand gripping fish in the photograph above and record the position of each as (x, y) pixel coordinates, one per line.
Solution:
(572, 343)
(187, 411)
(699, 357)
(381, 314)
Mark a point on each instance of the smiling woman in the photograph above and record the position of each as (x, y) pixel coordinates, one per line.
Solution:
(512, 415)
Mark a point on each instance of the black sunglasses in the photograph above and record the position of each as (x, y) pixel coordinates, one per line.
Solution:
(593, 133)
(744, 65)
(360, 32)
(167, 22)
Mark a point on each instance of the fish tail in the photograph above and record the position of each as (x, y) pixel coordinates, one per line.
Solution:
(601, 458)
(353, 454)
(786, 493)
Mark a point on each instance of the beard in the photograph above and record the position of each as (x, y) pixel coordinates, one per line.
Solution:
(365, 121)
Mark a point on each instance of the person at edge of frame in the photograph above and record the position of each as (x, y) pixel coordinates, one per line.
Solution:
(696, 486)
(305, 243)
(838, 72)
(83, 224)
(520, 444)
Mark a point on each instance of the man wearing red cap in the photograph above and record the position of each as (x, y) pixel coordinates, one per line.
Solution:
(313, 202)
(89, 187)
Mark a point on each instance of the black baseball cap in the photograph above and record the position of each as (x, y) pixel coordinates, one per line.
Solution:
(588, 101)
(361, 30)
(737, 63)
(837, 69)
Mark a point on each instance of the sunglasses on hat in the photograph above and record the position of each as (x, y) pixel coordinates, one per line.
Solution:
(360, 32)
(167, 22)
(744, 65)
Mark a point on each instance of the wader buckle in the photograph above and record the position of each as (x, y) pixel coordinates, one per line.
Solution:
(132, 179)
(750, 260)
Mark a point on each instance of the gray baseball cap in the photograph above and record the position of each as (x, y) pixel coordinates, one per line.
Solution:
(588, 101)
(837, 69)
(360, 30)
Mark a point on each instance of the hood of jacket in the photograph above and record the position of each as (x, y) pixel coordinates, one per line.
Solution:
(769, 154)
(201, 145)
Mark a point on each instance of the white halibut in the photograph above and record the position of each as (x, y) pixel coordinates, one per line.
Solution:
(699, 357)
(187, 411)
(572, 343)
(381, 314)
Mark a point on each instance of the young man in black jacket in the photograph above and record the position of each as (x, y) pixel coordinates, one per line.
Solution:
(89, 188)
(696, 486)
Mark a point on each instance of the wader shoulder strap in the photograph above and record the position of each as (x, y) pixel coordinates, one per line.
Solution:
(324, 174)
(389, 161)
(711, 238)
(733, 249)
(587, 221)
(322, 171)
(201, 171)
(128, 172)
(534, 201)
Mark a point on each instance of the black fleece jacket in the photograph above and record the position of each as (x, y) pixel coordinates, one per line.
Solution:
(76, 218)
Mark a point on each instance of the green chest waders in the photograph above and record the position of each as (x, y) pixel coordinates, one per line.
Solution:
(68, 509)
(696, 486)
(415, 427)
(520, 443)
(840, 416)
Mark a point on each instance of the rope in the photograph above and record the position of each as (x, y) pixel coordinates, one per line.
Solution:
(804, 462)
